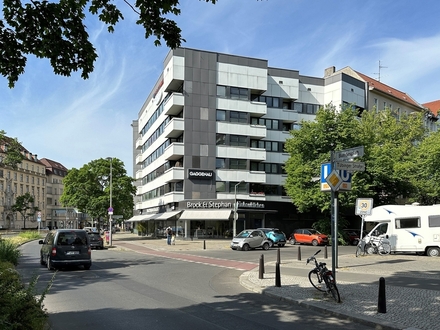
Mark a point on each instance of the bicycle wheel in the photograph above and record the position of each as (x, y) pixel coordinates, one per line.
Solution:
(334, 291)
(359, 250)
(316, 280)
(384, 249)
(370, 249)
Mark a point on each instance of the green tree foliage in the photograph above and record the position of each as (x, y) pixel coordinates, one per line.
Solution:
(425, 173)
(88, 189)
(55, 30)
(24, 205)
(390, 146)
(12, 154)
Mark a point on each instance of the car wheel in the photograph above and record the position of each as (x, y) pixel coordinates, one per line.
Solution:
(266, 246)
(246, 247)
(315, 242)
(87, 267)
(433, 252)
(292, 241)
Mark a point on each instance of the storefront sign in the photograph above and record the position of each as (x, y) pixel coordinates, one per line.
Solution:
(200, 174)
(250, 205)
(209, 205)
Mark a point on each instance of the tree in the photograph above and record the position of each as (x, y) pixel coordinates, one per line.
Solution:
(88, 189)
(24, 205)
(389, 144)
(12, 150)
(56, 31)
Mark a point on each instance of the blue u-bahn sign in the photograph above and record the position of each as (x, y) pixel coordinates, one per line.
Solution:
(326, 169)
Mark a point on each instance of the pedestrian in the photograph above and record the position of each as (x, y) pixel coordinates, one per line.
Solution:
(169, 233)
(173, 238)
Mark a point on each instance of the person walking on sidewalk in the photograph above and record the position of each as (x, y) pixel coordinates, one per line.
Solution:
(169, 232)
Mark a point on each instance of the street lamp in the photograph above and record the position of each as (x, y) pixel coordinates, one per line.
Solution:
(110, 210)
(234, 223)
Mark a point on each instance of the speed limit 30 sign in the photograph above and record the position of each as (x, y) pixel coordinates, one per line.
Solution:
(364, 206)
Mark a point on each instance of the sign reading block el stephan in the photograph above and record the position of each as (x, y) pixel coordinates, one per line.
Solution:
(200, 174)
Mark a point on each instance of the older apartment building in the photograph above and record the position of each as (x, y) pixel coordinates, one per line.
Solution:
(208, 142)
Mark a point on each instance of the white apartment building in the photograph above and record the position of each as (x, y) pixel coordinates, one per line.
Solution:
(211, 136)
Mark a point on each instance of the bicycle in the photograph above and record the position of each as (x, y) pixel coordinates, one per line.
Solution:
(322, 278)
(373, 245)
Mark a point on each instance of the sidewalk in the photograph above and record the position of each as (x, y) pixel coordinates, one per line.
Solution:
(358, 283)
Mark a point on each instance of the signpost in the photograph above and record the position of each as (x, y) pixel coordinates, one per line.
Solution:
(341, 160)
(364, 207)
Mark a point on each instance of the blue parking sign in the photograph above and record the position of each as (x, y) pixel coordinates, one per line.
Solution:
(326, 169)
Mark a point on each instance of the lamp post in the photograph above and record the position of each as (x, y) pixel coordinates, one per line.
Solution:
(234, 223)
(110, 210)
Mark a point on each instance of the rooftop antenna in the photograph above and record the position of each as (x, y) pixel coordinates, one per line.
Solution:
(380, 67)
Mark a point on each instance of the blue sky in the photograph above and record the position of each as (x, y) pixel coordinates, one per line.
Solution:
(74, 121)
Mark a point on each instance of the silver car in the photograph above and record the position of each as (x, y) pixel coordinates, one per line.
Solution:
(250, 239)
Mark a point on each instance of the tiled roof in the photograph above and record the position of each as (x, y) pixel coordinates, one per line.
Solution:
(53, 164)
(388, 90)
(433, 106)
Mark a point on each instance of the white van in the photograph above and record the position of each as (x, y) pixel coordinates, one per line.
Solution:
(410, 228)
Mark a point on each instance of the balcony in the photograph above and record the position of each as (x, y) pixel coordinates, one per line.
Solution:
(174, 128)
(256, 109)
(139, 143)
(173, 174)
(174, 104)
(174, 151)
(253, 131)
(241, 153)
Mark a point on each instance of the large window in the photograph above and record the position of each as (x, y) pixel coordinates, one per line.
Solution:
(220, 186)
(220, 163)
(271, 124)
(238, 164)
(238, 117)
(220, 139)
(271, 102)
(269, 168)
(238, 140)
(239, 93)
(221, 115)
(268, 145)
(434, 220)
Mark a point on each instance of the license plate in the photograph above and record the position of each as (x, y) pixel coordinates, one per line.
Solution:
(72, 252)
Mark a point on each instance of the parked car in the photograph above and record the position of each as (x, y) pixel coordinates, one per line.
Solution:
(96, 240)
(353, 235)
(276, 236)
(308, 236)
(66, 247)
(250, 239)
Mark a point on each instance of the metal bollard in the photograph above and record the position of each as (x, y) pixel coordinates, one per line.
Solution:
(277, 275)
(278, 256)
(381, 303)
(262, 257)
(261, 269)
(299, 252)
(204, 245)
(325, 253)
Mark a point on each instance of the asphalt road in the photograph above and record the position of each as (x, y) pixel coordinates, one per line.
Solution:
(128, 290)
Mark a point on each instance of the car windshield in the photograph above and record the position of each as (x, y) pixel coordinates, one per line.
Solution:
(314, 232)
(72, 238)
(244, 234)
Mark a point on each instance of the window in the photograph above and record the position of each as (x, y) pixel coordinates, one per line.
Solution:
(221, 91)
(434, 220)
(221, 115)
(408, 223)
(298, 107)
(220, 139)
(238, 140)
(238, 117)
(220, 186)
(238, 164)
(239, 93)
(241, 188)
(220, 163)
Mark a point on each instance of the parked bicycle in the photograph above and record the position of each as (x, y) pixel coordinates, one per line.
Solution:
(373, 245)
(322, 278)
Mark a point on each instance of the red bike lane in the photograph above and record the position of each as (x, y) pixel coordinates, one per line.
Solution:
(225, 263)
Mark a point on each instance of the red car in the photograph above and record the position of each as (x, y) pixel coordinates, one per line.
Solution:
(308, 236)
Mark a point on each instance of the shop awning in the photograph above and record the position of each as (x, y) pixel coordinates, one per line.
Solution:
(144, 217)
(166, 215)
(205, 215)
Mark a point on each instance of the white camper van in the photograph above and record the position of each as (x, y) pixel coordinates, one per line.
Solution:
(410, 228)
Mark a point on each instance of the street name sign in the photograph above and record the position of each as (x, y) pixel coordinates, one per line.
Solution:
(347, 154)
(350, 166)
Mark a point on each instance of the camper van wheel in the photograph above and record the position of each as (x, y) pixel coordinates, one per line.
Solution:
(433, 252)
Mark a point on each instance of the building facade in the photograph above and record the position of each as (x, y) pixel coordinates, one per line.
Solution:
(28, 177)
(209, 140)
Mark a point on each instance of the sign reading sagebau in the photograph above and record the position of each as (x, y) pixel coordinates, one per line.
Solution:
(200, 174)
